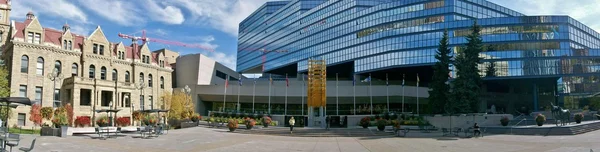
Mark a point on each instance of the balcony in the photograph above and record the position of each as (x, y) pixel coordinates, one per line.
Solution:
(98, 82)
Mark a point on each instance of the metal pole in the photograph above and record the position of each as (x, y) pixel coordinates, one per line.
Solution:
(238, 97)
(303, 94)
(225, 94)
(337, 105)
(270, 82)
(371, 93)
(253, 93)
(417, 96)
(354, 93)
(387, 92)
(286, 91)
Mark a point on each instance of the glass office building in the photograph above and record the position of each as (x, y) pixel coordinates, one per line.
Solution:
(538, 59)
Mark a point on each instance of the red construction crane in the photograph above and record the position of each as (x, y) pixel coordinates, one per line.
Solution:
(146, 39)
(264, 54)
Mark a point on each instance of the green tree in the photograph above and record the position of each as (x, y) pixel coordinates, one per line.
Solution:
(4, 92)
(466, 87)
(490, 70)
(439, 93)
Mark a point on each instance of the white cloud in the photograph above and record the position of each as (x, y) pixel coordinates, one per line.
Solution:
(56, 8)
(223, 15)
(168, 14)
(81, 29)
(585, 11)
(120, 12)
(227, 60)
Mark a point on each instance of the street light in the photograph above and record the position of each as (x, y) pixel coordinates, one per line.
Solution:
(54, 76)
(110, 104)
(141, 87)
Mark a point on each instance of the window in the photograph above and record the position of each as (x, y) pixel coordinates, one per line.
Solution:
(56, 98)
(162, 82)
(23, 90)
(38, 93)
(101, 49)
(150, 80)
(70, 45)
(21, 119)
(92, 72)
(141, 78)
(74, 69)
(127, 76)
(40, 66)
(115, 75)
(221, 74)
(151, 102)
(65, 44)
(141, 102)
(30, 37)
(95, 49)
(143, 58)
(24, 64)
(38, 38)
(103, 73)
(58, 66)
(1, 33)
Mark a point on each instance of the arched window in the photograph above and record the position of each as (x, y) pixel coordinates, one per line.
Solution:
(115, 75)
(40, 66)
(149, 80)
(24, 64)
(103, 73)
(127, 76)
(162, 82)
(65, 45)
(92, 73)
(74, 69)
(58, 66)
(70, 46)
(141, 78)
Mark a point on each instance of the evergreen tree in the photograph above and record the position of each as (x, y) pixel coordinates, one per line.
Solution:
(490, 70)
(466, 87)
(439, 93)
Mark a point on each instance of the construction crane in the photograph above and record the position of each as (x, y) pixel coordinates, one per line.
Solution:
(145, 39)
(264, 55)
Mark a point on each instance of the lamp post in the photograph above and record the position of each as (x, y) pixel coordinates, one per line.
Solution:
(110, 104)
(54, 76)
(141, 87)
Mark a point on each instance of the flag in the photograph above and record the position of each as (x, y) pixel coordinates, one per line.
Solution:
(270, 80)
(368, 79)
(240, 80)
(403, 80)
(254, 80)
(287, 81)
(226, 82)
(417, 78)
(353, 80)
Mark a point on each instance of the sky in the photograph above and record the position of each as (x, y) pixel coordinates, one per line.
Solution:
(213, 23)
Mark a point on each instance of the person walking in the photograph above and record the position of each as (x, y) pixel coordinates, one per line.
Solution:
(476, 131)
(292, 122)
(327, 120)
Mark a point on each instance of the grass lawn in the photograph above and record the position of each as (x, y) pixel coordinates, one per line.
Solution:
(24, 131)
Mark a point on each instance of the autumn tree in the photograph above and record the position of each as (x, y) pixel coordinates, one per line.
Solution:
(35, 115)
(180, 105)
(4, 92)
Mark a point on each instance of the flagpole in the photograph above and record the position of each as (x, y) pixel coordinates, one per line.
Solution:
(270, 83)
(253, 93)
(286, 91)
(354, 92)
(403, 93)
(387, 92)
(337, 95)
(370, 93)
(238, 97)
(225, 94)
(417, 93)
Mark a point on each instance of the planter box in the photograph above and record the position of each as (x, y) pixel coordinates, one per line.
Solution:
(188, 124)
(47, 131)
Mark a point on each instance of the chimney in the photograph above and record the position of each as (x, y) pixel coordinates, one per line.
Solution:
(30, 15)
(65, 27)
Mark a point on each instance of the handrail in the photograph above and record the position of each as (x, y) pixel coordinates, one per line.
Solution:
(511, 128)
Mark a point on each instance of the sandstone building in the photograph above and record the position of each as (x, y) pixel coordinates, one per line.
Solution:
(93, 73)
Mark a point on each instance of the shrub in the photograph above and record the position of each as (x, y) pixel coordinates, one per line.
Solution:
(123, 121)
(250, 122)
(365, 121)
(60, 120)
(102, 121)
(35, 114)
(267, 120)
(395, 124)
(47, 112)
(540, 119)
(578, 117)
(196, 117)
(137, 116)
(381, 122)
(232, 124)
(150, 120)
(504, 120)
(82, 121)
(69, 110)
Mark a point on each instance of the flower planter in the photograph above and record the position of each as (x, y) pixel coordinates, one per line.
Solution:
(578, 121)
(380, 128)
(48, 131)
(504, 123)
(231, 129)
(249, 127)
(540, 123)
(63, 131)
(265, 125)
(365, 126)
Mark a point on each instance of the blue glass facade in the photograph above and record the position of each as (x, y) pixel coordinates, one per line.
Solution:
(375, 35)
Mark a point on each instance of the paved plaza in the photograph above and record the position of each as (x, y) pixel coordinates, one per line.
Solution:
(210, 139)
